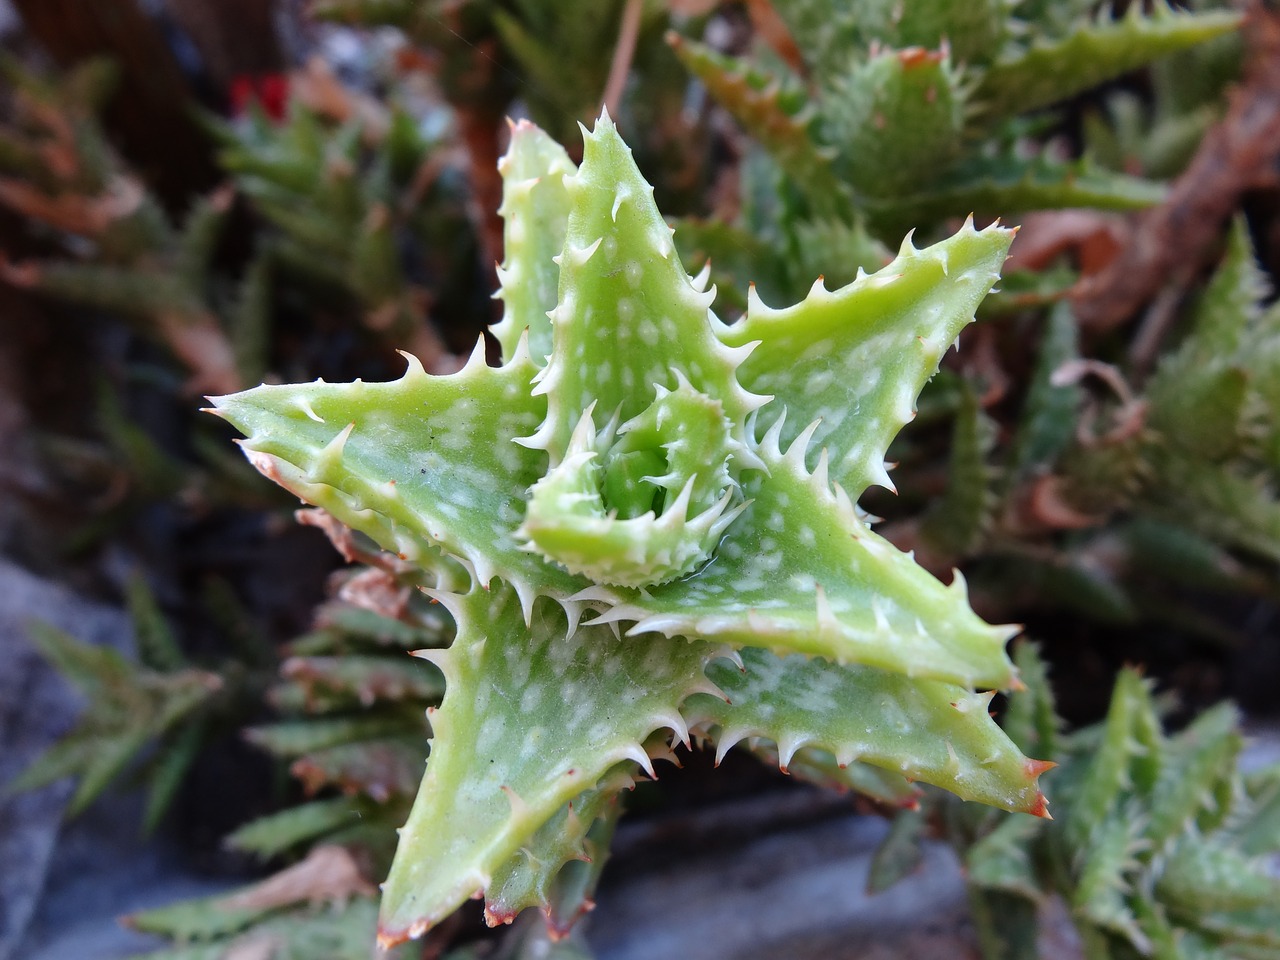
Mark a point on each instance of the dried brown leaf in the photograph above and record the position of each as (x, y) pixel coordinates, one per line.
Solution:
(318, 88)
(377, 590)
(73, 212)
(1092, 237)
(1049, 509)
(198, 340)
(328, 874)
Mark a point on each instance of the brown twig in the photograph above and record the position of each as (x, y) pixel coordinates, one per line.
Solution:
(628, 33)
(1172, 242)
(766, 22)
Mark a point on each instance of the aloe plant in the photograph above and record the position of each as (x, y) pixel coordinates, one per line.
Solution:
(639, 519)
(903, 114)
(1160, 844)
(1097, 501)
(160, 701)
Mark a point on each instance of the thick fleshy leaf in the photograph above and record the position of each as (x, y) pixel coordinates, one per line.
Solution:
(1007, 185)
(531, 718)
(535, 207)
(1002, 860)
(900, 853)
(544, 872)
(572, 892)
(956, 523)
(379, 769)
(644, 500)
(819, 766)
(1053, 69)
(775, 115)
(923, 94)
(275, 833)
(1202, 876)
(1231, 304)
(421, 464)
(342, 931)
(938, 733)
(653, 506)
(628, 313)
(1228, 506)
(1198, 760)
(1108, 868)
(362, 679)
(292, 738)
(829, 32)
(816, 357)
(129, 706)
(1030, 720)
(800, 572)
(1111, 770)
(1048, 419)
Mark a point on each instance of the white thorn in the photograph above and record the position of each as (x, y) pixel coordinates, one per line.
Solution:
(702, 278)
(800, 446)
(773, 436)
(820, 471)
(414, 370)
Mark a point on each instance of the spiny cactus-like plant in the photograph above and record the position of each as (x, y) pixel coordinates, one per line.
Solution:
(910, 111)
(1211, 447)
(321, 906)
(1159, 843)
(1156, 133)
(346, 194)
(634, 533)
(58, 169)
(158, 701)
(1097, 500)
(357, 203)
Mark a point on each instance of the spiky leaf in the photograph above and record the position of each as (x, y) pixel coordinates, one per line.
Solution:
(532, 716)
(1052, 69)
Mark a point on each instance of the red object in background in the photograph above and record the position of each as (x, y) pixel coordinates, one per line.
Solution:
(271, 90)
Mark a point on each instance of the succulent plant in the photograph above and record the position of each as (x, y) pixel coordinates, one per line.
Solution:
(1159, 844)
(1156, 131)
(321, 906)
(59, 171)
(1098, 499)
(1211, 441)
(358, 203)
(908, 113)
(633, 534)
(159, 701)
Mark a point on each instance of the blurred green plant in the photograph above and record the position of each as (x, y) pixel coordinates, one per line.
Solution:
(158, 705)
(1099, 499)
(910, 113)
(1082, 483)
(1159, 844)
(1153, 133)
(881, 117)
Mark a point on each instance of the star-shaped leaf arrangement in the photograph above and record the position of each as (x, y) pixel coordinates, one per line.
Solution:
(652, 530)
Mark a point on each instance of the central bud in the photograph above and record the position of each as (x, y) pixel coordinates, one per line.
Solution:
(641, 502)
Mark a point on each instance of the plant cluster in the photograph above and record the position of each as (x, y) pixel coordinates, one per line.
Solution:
(636, 517)
(1161, 845)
